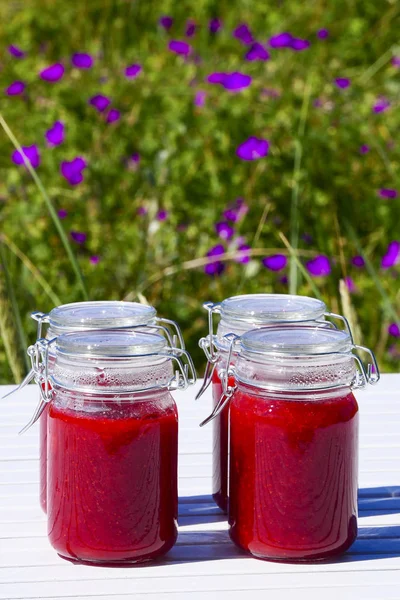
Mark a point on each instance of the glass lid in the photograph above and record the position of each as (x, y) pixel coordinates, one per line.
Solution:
(100, 315)
(108, 343)
(262, 308)
(294, 340)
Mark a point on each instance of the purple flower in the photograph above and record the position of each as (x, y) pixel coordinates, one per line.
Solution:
(62, 213)
(389, 193)
(15, 51)
(281, 40)
(392, 256)
(80, 60)
(31, 153)
(200, 98)
(180, 47)
(394, 330)
(342, 82)
(236, 211)
(55, 135)
(100, 102)
(275, 262)
(142, 210)
(53, 73)
(135, 157)
(243, 34)
(322, 34)
(217, 267)
(78, 236)
(270, 93)
(319, 266)
(257, 52)
(224, 230)
(113, 115)
(190, 28)
(298, 44)
(396, 61)
(230, 81)
(307, 238)
(95, 259)
(133, 71)
(358, 261)
(162, 215)
(245, 256)
(236, 81)
(15, 89)
(166, 22)
(253, 148)
(364, 149)
(216, 78)
(381, 105)
(72, 170)
(215, 25)
(351, 286)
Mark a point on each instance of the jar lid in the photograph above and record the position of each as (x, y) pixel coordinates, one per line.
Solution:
(110, 344)
(294, 340)
(262, 308)
(99, 315)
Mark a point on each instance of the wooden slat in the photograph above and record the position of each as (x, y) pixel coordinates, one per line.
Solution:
(204, 563)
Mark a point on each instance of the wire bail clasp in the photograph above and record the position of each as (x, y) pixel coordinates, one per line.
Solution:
(39, 355)
(372, 374)
(208, 346)
(343, 320)
(227, 390)
(185, 375)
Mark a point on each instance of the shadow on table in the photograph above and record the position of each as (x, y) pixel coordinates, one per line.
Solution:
(196, 510)
(379, 500)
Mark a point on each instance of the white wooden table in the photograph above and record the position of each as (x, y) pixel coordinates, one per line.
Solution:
(204, 564)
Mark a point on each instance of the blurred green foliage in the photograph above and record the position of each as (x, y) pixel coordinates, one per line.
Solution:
(188, 162)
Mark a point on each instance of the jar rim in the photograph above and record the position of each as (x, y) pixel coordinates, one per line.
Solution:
(110, 343)
(264, 308)
(290, 340)
(78, 316)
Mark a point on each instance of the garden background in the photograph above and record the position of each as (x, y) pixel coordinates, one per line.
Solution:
(177, 152)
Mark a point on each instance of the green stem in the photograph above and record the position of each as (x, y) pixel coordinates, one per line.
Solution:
(14, 305)
(294, 213)
(50, 208)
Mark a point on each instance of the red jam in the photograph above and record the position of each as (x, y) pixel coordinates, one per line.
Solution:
(112, 480)
(43, 459)
(293, 475)
(220, 446)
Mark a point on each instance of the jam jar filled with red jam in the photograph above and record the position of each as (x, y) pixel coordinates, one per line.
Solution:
(239, 314)
(112, 435)
(93, 315)
(293, 447)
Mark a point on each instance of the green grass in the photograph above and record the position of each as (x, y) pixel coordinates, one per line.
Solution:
(314, 180)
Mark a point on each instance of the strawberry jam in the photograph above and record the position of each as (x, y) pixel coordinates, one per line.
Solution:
(293, 473)
(112, 478)
(220, 446)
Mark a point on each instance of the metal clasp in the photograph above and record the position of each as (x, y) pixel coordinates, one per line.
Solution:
(186, 374)
(227, 390)
(372, 375)
(177, 336)
(208, 346)
(41, 318)
(343, 320)
(39, 355)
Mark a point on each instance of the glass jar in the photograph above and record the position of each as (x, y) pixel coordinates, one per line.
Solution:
(239, 314)
(80, 316)
(293, 444)
(112, 443)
